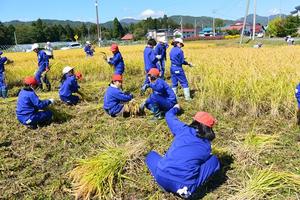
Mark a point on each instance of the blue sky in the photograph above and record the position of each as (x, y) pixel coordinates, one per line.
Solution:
(84, 10)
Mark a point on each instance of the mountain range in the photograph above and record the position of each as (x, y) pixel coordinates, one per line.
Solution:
(201, 21)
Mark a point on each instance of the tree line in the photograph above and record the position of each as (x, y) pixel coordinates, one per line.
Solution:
(39, 31)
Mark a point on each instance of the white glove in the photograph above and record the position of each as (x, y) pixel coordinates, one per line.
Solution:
(158, 57)
(108, 59)
(52, 101)
(176, 106)
(191, 65)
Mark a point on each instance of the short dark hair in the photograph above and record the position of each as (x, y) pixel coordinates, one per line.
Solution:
(152, 42)
(203, 131)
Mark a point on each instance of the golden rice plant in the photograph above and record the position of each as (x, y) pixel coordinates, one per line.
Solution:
(97, 177)
(266, 182)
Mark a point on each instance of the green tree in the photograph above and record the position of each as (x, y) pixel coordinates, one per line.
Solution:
(276, 27)
(219, 23)
(69, 33)
(118, 30)
(39, 33)
(291, 25)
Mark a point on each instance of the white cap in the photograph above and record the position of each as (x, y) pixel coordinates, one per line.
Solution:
(67, 69)
(48, 43)
(178, 40)
(162, 39)
(88, 42)
(34, 46)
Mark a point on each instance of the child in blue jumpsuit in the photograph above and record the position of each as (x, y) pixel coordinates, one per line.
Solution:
(177, 72)
(117, 60)
(150, 59)
(163, 97)
(297, 95)
(29, 106)
(3, 86)
(88, 49)
(43, 67)
(114, 97)
(161, 51)
(69, 86)
(188, 162)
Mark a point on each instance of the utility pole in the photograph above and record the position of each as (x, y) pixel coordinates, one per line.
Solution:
(181, 26)
(195, 28)
(245, 20)
(214, 20)
(98, 27)
(15, 35)
(254, 21)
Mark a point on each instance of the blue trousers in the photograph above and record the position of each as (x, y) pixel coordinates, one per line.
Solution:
(119, 71)
(2, 80)
(36, 118)
(206, 170)
(161, 66)
(38, 77)
(178, 75)
(70, 100)
(163, 103)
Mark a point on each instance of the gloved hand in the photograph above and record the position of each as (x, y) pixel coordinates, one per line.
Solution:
(144, 88)
(190, 65)
(158, 57)
(52, 101)
(108, 59)
(176, 106)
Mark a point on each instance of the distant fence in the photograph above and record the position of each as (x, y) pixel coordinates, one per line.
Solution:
(58, 45)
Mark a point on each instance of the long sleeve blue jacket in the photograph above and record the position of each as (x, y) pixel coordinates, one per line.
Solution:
(297, 94)
(2, 61)
(161, 49)
(177, 57)
(43, 60)
(88, 50)
(29, 103)
(118, 62)
(160, 87)
(149, 59)
(186, 154)
(113, 99)
(69, 86)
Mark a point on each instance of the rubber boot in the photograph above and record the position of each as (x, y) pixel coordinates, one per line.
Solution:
(186, 92)
(298, 117)
(4, 92)
(157, 114)
(175, 90)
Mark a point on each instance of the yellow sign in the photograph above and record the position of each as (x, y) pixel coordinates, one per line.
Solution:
(76, 37)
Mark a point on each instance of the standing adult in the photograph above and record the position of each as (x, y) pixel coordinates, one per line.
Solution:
(43, 67)
(177, 72)
(49, 50)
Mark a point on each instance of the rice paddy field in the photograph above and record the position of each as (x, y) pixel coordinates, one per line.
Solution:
(85, 154)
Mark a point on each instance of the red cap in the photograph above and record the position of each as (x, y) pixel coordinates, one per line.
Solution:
(205, 118)
(78, 75)
(114, 48)
(154, 72)
(117, 77)
(30, 81)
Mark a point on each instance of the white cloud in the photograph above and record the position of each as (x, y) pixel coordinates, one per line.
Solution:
(274, 11)
(151, 13)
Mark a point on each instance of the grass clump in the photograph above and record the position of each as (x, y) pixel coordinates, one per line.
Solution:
(98, 176)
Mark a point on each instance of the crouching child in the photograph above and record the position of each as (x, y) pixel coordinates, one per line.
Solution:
(115, 98)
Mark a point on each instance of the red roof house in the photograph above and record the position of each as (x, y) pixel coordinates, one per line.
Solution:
(128, 36)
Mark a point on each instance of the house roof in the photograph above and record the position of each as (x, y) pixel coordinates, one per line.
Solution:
(128, 36)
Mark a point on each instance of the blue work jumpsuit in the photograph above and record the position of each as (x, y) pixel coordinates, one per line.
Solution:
(118, 63)
(161, 49)
(114, 99)
(28, 106)
(67, 88)
(188, 162)
(88, 50)
(150, 61)
(3, 86)
(43, 64)
(177, 72)
(163, 97)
